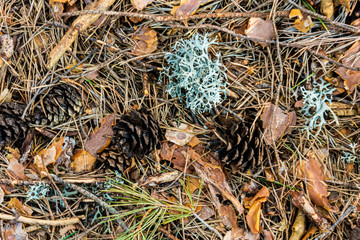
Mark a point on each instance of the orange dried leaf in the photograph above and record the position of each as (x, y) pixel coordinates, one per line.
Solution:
(304, 25)
(253, 216)
(296, 13)
(82, 161)
(187, 7)
(146, 41)
(276, 123)
(351, 59)
(101, 138)
(21, 208)
(261, 29)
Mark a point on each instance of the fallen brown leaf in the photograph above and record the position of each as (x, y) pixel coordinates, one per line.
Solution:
(206, 213)
(187, 7)
(181, 136)
(82, 161)
(161, 178)
(351, 59)
(276, 123)
(15, 232)
(261, 29)
(101, 137)
(19, 207)
(327, 8)
(15, 168)
(228, 216)
(146, 41)
(303, 24)
(140, 4)
(253, 216)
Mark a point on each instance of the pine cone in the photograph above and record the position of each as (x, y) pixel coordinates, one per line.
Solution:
(137, 133)
(12, 127)
(114, 160)
(59, 106)
(243, 148)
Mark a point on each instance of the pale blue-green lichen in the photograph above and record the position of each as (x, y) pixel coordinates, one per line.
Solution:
(37, 191)
(193, 76)
(352, 155)
(316, 106)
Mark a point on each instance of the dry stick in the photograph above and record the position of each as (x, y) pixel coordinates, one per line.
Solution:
(169, 18)
(35, 221)
(314, 14)
(79, 25)
(34, 182)
(92, 196)
(294, 45)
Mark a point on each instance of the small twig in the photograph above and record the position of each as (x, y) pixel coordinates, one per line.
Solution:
(92, 196)
(35, 221)
(169, 18)
(346, 213)
(208, 226)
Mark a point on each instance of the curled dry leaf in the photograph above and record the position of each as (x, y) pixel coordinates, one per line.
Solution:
(206, 213)
(101, 137)
(327, 8)
(5, 96)
(181, 136)
(187, 7)
(228, 216)
(253, 216)
(82, 161)
(2, 194)
(140, 4)
(351, 59)
(261, 29)
(146, 41)
(161, 178)
(48, 156)
(303, 24)
(276, 123)
(312, 171)
(15, 168)
(19, 207)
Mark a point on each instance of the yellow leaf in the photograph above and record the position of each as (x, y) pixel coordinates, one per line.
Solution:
(5, 95)
(82, 161)
(327, 8)
(296, 13)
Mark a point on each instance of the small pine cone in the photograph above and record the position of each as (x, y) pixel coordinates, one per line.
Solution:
(12, 127)
(59, 106)
(137, 133)
(114, 160)
(243, 148)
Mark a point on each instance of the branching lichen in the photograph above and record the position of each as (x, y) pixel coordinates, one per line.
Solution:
(316, 105)
(193, 76)
(37, 191)
(351, 156)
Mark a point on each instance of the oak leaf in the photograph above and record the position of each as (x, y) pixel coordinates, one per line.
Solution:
(351, 59)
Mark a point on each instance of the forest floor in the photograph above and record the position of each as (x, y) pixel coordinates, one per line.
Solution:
(109, 130)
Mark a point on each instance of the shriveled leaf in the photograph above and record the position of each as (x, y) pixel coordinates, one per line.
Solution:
(312, 171)
(276, 123)
(235, 234)
(67, 150)
(179, 156)
(19, 207)
(253, 216)
(295, 13)
(146, 41)
(356, 23)
(181, 136)
(101, 138)
(228, 216)
(15, 168)
(161, 178)
(15, 232)
(303, 24)
(140, 4)
(327, 8)
(5, 96)
(187, 7)
(261, 29)
(206, 213)
(48, 156)
(351, 59)
(82, 161)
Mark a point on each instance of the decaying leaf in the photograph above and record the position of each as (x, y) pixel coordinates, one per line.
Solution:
(146, 41)
(181, 136)
(19, 207)
(351, 59)
(312, 171)
(161, 178)
(5, 96)
(298, 227)
(140, 4)
(261, 29)
(48, 156)
(206, 213)
(15, 168)
(15, 232)
(327, 8)
(179, 156)
(228, 216)
(101, 137)
(235, 234)
(187, 7)
(82, 161)
(276, 123)
(303, 24)
(253, 216)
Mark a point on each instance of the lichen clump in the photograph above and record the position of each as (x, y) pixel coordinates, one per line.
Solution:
(316, 105)
(193, 76)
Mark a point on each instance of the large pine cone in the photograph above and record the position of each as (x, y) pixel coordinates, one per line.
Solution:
(136, 133)
(242, 147)
(12, 127)
(60, 105)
